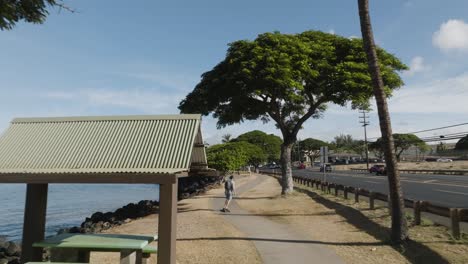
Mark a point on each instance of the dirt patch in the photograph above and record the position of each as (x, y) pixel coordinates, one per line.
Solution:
(356, 234)
(194, 223)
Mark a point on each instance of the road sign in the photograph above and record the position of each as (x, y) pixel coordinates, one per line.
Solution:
(324, 155)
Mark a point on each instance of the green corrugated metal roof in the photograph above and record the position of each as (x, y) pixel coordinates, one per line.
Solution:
(113, 144)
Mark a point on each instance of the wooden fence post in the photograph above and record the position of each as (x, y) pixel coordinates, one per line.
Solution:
(417, 212)
(336, 189)
(455, 223)
(345, 192)
(356, 195)
(371, 200)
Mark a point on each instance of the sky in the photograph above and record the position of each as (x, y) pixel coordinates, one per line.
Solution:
(143, 57)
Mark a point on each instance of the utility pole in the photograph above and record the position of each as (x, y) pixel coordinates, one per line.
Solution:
(364, 120)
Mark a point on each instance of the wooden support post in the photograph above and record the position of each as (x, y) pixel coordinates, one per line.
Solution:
(356, 195)
(455, 219)
(345, 192)
(328, 188)
(167, 223)
(417, 212)
(371, 201)
(336, 190)
(34, 221)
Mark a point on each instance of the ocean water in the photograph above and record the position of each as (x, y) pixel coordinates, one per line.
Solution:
(68, 204)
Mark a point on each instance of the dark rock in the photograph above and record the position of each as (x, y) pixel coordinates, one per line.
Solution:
(13, 249)
(75, 229)
(97, 217)
(14, 261)
(3, 261)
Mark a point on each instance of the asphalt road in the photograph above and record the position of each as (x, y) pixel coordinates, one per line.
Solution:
(446, 190)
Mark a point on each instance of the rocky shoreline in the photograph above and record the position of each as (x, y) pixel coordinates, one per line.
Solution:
(189, 186)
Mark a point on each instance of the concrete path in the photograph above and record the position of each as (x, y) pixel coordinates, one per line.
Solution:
(276, 243)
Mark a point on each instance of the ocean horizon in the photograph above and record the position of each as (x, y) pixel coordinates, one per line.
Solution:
(68, 204)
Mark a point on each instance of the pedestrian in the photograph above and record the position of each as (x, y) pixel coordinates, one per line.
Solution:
(229, 191)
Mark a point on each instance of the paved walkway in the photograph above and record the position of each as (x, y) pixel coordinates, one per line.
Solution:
(276, 243)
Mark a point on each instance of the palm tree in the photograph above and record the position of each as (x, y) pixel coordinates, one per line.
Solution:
(226, 138)
(399, 231)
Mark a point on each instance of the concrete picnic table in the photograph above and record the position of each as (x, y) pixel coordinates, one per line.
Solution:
(77, 247)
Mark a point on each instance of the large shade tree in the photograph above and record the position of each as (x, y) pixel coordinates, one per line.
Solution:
(269, 143)
(462, 144)
(380, 87)
(402, 142)
(288, 78)
(232, 156)
(310, 147)
(31, 11)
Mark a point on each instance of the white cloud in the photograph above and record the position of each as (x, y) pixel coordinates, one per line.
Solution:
(440, 96)
(331, 31)
(417, 65)
(452, 35)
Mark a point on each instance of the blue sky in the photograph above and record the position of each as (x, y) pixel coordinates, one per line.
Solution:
(120, 57)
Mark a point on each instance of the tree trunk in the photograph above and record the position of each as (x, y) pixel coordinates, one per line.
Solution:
(286, 171)
(399, 226)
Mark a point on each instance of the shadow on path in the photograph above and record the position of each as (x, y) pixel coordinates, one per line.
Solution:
(413, 251)
(186, 210)
(283, 241)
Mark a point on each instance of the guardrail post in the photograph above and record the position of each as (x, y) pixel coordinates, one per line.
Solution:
(356, 195)
(345, 192)
(417, 212)
(455, 218)
(329, 188)
(336, 189)
(371, 200)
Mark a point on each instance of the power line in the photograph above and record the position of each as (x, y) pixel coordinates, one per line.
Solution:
(438, 128)
(432, 129)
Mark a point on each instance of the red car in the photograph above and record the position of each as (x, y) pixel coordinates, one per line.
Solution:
(301, 166)
(378, 169)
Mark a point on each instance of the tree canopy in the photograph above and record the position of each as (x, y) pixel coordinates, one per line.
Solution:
(233, 155)
(402, 142)
(31, 11)
(269, 143)
(289, 78)
(462, 144)
(310, 147)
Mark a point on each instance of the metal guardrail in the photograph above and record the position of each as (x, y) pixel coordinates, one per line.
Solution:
(441, 172)
(456, 215)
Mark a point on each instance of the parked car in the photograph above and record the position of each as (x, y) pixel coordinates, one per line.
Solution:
(378, 169)
(327, 168)
(274, 166)
(301, 166)
(444, 160)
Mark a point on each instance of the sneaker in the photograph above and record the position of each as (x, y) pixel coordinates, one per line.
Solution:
(223, 210)
(227, 210)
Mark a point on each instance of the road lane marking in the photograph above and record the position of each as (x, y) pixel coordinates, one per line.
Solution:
(429, 181)
(452, 192)
(373, 182)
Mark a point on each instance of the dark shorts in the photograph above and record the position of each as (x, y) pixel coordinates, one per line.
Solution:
(228, 195)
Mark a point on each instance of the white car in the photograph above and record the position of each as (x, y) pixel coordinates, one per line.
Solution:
(444, 160)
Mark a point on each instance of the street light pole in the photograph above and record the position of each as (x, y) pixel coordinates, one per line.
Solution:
(365, 123)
